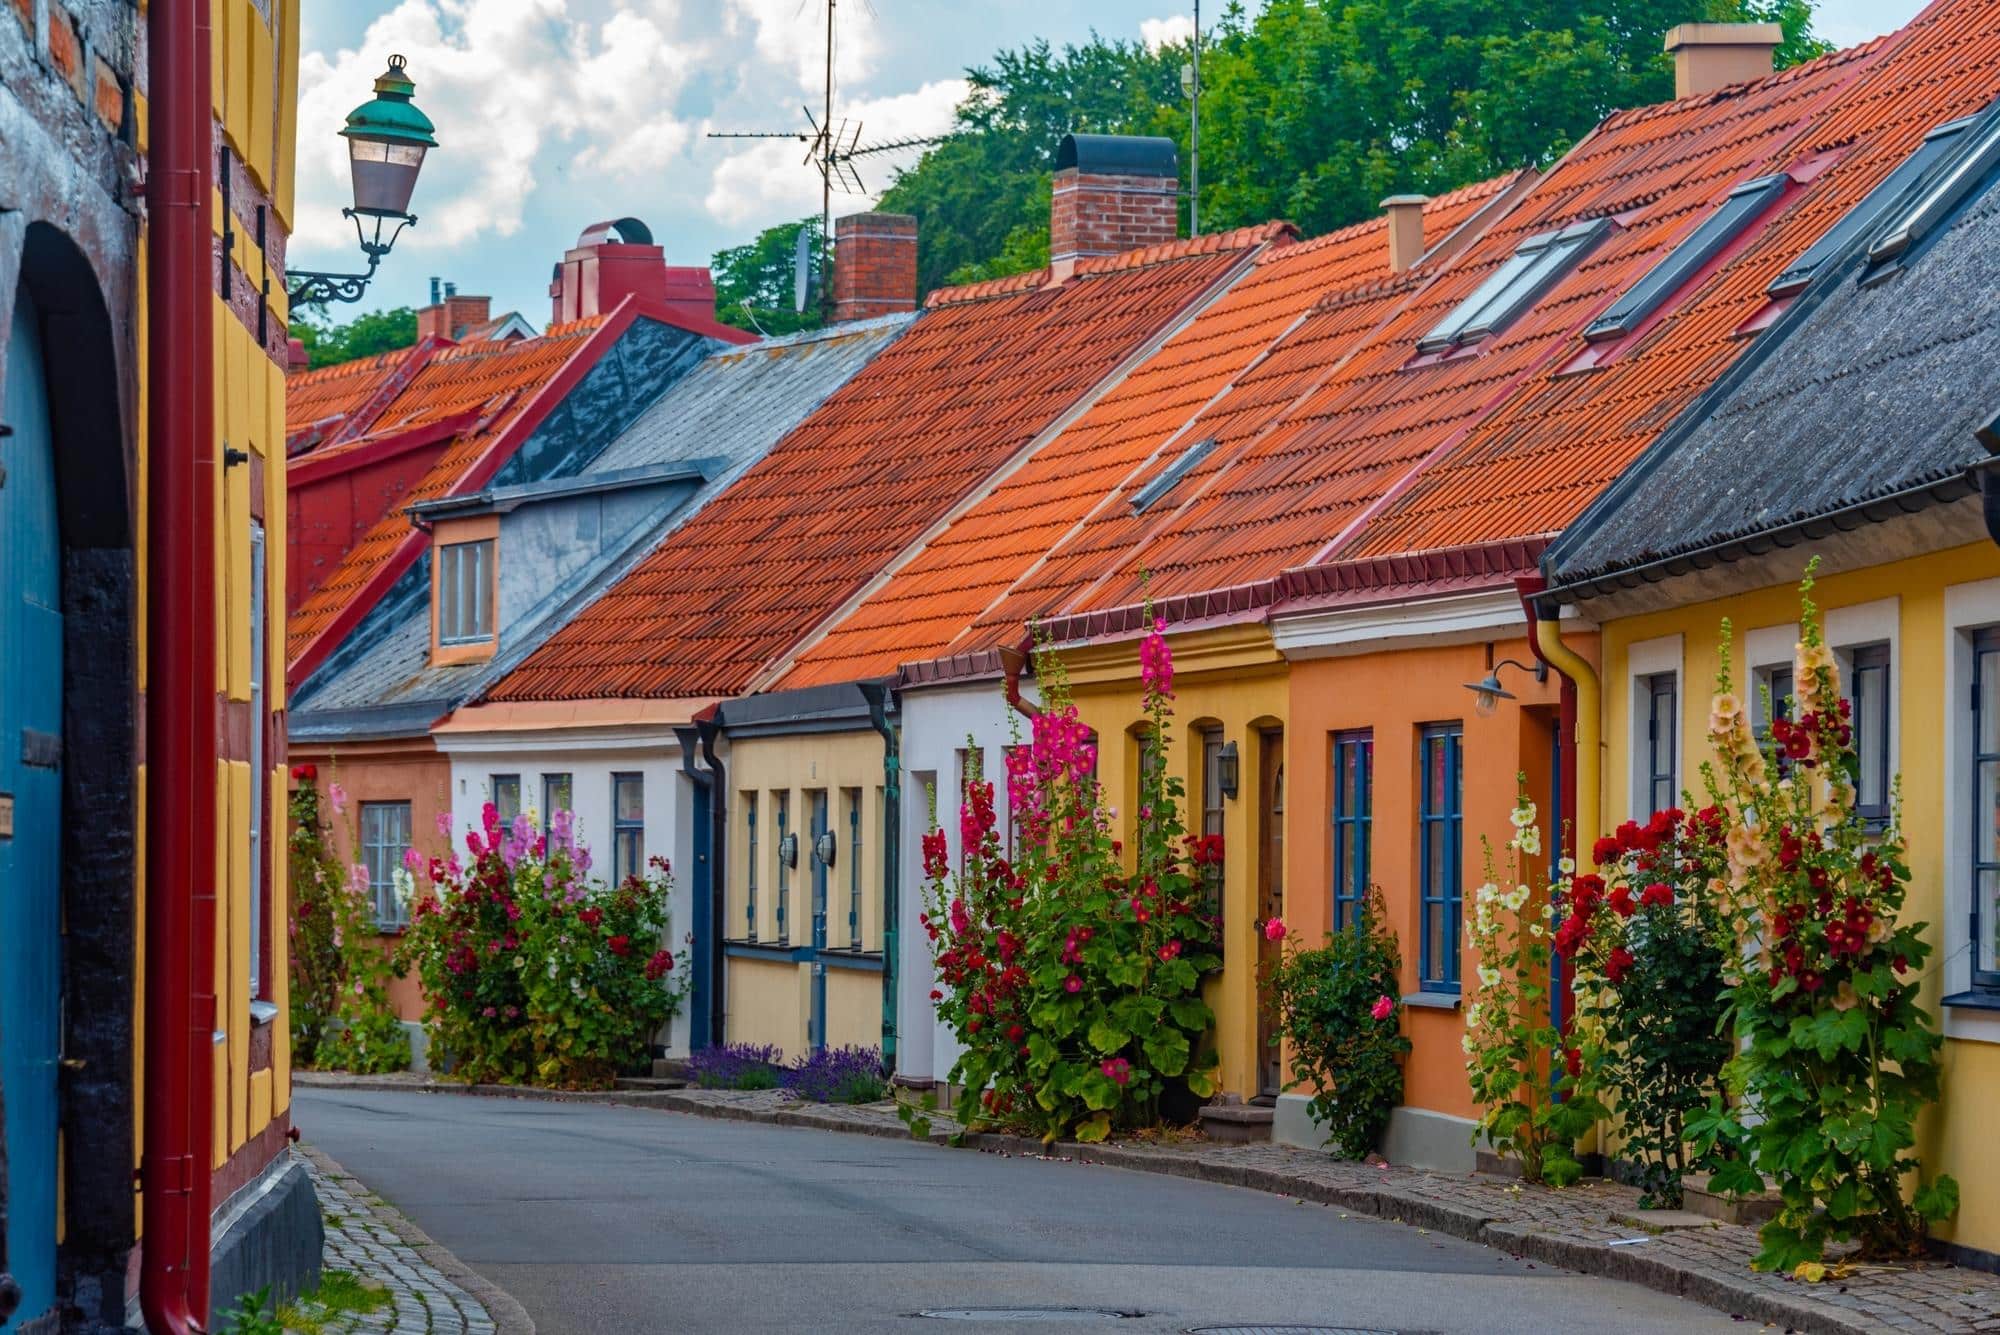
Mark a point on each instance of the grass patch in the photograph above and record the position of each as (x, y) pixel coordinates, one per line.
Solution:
(341, 1294)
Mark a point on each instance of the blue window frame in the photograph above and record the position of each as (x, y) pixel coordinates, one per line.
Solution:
(750, 867)
(1871, 209)
(556, 795)
(1538, 265)
(1353, 825)
(1663, 741)
(1743, 206)
(1985, 918)
(1868, 695)
(628, 825)
(1441, 834)
(506, 791)
(854, 939)
(385, 838)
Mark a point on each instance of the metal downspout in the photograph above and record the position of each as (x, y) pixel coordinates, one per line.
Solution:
(180, 743)
(877, 696)
(1013, 660)
(1580, 678)
(689, 738)
(718, 880)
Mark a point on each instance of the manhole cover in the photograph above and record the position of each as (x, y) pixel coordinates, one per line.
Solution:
(1028, 1313)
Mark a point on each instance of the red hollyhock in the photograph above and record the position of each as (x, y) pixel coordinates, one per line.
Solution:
(1573, 1062)
(1606, 851)
(620, 945)
(305, 771)
(1619, 964)
(1657, 895)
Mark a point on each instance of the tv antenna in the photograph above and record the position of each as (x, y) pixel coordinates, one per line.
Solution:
(831, 149)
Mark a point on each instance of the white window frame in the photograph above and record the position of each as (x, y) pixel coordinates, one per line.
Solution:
(1967, 608)
(454, 628)
(1765, 650)
(1644, 660)
(1859, 626)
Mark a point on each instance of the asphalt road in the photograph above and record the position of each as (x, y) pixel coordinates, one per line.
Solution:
(605, 1219)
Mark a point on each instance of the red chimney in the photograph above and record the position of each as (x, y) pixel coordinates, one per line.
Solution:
(454, 315)
(874, 265)
(614, 260)
(1113, 193)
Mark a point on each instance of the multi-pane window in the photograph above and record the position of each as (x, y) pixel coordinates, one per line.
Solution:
(385, 838)
(1986, 811)
(750, 867)
(1441, 831)
(1868, 691)
(1776, 683)
(1211, 814)
(1538, 265)
(506, 790)
(555, 797)
(628, 825)
(1663, 740)
(465, 592)
(1353, 824)
(852, 796)
(787, 853)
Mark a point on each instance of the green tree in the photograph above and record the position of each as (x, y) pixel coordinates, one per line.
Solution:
(754, 282)
(329, 344)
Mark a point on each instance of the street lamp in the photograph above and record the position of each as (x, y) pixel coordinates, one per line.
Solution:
(387, 138)
(1490, 692)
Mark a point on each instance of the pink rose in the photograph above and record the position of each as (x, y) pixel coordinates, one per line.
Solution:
(1383, 1008)
(1274, 929)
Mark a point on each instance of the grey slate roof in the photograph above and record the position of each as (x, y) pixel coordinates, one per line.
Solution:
(724, 414)
(1858, 395)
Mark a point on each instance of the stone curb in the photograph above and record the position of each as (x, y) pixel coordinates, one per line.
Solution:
(1742, 1296)
(509, 1317)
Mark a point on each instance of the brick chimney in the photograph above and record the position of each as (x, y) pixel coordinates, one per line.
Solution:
(1406, 229)
(1708, 56)
(617, 259)
(1113, 193)
(453, 315)
(874, 265)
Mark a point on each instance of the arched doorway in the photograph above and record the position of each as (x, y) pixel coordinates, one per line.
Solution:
(31, 675)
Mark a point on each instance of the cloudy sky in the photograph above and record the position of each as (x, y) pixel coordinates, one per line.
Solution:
(553, 114)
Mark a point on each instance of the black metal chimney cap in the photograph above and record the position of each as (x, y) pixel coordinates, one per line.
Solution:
(1118, 155)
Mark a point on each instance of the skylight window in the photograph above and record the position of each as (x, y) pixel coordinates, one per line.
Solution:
(1973, 162)
(1745, 204)
(1516, 285)
(1870, 210)
(1144, 498)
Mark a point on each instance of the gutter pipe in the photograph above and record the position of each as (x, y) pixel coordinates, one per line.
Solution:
(1583, 720)
(718, 880)
(877, 696)
(1013, 661)
(180, 810)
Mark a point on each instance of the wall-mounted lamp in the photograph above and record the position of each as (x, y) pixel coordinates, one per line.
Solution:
(823, 849)
(1490, 692)
(1228, 770)
(788, 851)
(387, 138)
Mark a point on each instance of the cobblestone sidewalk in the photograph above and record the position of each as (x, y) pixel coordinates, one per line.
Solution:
(1581, 1229)
(428, 1290)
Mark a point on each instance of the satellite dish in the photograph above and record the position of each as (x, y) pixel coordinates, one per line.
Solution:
(801, 270)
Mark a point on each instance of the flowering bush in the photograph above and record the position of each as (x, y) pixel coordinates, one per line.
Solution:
(535, 971)
(736, 1066)
(1533, 1110)
(1341, 1022)
(1837, 1055)
(837, 1075)
(1644, 939)
(1073, 983)
(342, 1017)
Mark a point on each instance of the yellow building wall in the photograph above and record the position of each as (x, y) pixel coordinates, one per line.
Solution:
(771, 1001)
(1232, 677)
(1955, 1137)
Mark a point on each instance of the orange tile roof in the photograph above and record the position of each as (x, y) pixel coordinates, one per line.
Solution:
(335, 391)
(981, 374)
(929, 607)
(498, 380)
(1393, 453)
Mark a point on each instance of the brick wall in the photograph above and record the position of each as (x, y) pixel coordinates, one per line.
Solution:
(1094, 214)
(875, 265)
(453, 316)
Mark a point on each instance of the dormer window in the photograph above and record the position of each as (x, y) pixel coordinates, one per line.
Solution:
(1745, 204)
(465, 592)
(1515, 286)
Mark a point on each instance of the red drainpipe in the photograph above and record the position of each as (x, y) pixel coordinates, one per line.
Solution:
(1013, 660)
(180, 674)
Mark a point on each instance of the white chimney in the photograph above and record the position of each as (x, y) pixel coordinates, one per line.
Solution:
(1406, 229)
(1708, 56)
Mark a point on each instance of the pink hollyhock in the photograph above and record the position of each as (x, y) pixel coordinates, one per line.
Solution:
(1274, 929)
(444, 824)
(1117, 1070)
(1383, 1007)
(336, 795)
(1072, 984)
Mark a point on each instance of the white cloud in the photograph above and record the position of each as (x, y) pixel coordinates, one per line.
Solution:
(767, 181)
(792, 35)
(518, 88)
(1156, 33)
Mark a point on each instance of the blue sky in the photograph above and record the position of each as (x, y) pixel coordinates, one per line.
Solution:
(553, 114)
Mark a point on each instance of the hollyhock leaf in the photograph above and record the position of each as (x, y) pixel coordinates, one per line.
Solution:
(1937, 1200)
(1167, 1050)
(1201, 1084)
(1099, 1093)
(1107, 1037)
(1191, 1013)
(1094, 1129)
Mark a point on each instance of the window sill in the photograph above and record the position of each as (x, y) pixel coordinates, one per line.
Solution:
(1436, 1001)
(391, 928)
(262, 1012)
(1977, 1001)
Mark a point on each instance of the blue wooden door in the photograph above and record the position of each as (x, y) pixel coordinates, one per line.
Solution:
(30, 774)
(816, 1027)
